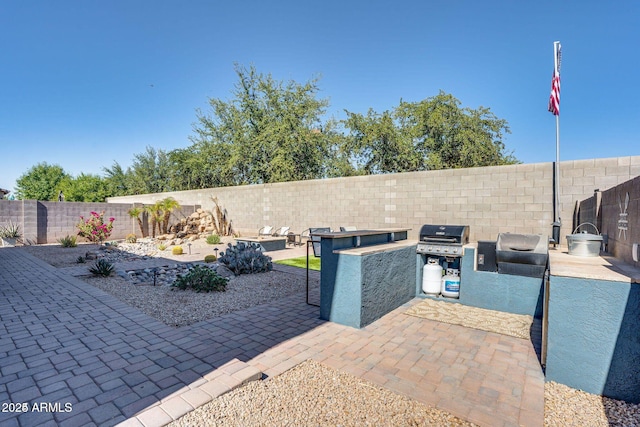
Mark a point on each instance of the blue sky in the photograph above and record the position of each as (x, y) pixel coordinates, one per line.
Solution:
(86, 83)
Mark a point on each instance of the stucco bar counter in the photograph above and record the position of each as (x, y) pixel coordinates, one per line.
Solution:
(593, 341)
(365, 274)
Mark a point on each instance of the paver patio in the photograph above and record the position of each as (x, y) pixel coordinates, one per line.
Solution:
(64, 341)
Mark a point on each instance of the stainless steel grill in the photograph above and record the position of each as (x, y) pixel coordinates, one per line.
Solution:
(443, 240)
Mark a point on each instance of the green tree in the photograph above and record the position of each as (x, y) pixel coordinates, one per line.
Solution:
(380, 144)
(136, 212)
(167, 205)
(435, 133)
(156, 215)
(41, 182)
(149, 173)
(118, 181)
(448, 136)
(270, 131)
(85, 188)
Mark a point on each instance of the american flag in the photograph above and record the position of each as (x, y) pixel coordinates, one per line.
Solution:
(554, 98)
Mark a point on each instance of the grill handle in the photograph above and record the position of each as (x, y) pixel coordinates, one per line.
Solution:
(440, 239)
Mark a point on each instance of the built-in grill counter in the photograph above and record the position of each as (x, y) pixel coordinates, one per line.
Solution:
(365, 274)
(439, 252)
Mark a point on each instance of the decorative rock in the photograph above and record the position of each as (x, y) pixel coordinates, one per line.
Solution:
(224, 271)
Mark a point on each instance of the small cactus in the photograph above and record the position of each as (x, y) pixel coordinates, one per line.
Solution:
(213, 239)
(131, 238)
(210, 258)
(177, 250)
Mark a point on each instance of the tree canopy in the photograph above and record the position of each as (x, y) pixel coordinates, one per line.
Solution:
(271, 131)
(434, 133)
(41, 182)
(274, 131)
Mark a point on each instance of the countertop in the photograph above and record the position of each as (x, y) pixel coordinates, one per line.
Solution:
(372, 249)
(599, 268)
(341, 234)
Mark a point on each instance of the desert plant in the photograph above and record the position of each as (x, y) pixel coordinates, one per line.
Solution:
(201, 279)
(213, 239)
(167, 205)
(94, 228)
(131, 238)
(102, 268)
(68, 241)
(177, 250)
(162, 247)
(210, 258)
(221, 221)
(11, 231)
(156, 215)
(135, 212)
(245, 258)
(80, 260)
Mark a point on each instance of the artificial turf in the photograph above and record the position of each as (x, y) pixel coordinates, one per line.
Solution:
(314, 262)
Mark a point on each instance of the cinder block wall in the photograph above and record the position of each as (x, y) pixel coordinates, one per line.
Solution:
(46, 222)
(514, 198)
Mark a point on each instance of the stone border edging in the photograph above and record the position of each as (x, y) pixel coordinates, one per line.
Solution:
(229, 376)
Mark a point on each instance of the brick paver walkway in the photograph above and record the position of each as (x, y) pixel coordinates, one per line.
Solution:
(63, 341)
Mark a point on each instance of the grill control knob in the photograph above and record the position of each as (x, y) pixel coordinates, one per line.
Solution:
(454, 250)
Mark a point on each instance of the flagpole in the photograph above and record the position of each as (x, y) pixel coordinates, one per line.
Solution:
(558, 219)
(557, 171)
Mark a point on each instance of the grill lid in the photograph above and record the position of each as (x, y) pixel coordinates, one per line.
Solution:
(445, 234)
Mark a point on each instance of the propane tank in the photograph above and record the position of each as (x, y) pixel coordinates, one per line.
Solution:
(431, 277)
(451, 284)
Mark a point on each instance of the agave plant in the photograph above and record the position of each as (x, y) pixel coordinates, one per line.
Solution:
(102, 268)
(11, 231)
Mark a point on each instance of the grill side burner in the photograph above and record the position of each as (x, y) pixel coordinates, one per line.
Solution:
(443, 240)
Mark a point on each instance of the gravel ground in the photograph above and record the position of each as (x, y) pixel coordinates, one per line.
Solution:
(311, 394)
(174, 307)
(567, 407)
(58, 256)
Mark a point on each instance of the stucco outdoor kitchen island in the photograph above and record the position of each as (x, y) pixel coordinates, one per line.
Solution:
(594, 316)
(365, 274)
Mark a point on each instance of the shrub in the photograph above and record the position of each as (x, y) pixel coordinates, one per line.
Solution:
(80, 260)
(131, 238)
(245, 258)
(94, 228)
(162, 247)
(68, 241)
(201, 279)
(177, 250)
(102, 268)
(210, 258)
(213, 239)
(11, 231)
